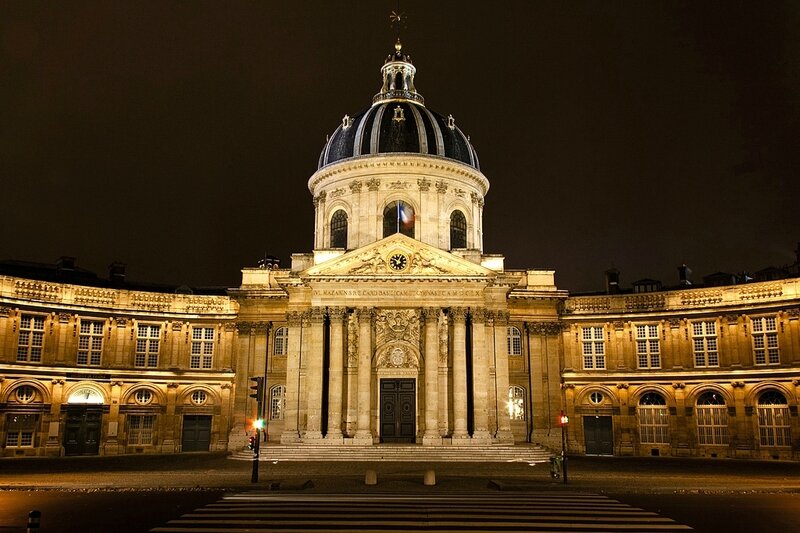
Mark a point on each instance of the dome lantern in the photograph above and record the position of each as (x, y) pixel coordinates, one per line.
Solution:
(398, 79)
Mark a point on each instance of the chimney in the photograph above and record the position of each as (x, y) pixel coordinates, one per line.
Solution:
(116, 273)
(684, 276)
(612, 281)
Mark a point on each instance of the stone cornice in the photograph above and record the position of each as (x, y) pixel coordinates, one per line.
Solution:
(400, 161)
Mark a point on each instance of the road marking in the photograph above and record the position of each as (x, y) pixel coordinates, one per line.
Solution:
(473, 512)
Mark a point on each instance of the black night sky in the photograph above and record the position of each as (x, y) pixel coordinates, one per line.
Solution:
(178, 136)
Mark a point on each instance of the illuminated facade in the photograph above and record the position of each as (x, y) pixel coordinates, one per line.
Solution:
(398, 327)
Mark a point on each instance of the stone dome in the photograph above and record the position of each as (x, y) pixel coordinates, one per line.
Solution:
(398, 121)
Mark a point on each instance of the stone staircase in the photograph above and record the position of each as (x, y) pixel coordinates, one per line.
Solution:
(495, 453)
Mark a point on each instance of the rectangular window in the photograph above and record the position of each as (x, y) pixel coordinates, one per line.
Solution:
(31, 338)
(704, 340)
(140, 429)
(21, 429)
(147, 345)
(202, 348)
(648, 346)
(90, 343)
(594, 350)
(765, 341)
(712, 424)
(653, 424)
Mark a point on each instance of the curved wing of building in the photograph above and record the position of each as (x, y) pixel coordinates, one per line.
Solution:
(398, 327)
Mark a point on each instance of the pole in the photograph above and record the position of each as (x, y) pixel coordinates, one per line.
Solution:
(34, 519)
(563, 449)
(254, 475)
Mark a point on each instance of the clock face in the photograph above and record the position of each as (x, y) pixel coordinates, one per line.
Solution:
(398, 262)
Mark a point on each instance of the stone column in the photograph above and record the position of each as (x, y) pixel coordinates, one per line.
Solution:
(480, 377)
(504, 433)
(459, 316)
(337, 315)
(363, 430)
(291, 416)
(431, 435)
(314, 375)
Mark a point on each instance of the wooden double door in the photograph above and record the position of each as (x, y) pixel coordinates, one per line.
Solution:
(398, 403)
(82, 431)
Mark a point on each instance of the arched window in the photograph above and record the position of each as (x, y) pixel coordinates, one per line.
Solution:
(281, 343)
(516, 403)
(773, 419)
(398, 217)
(653, 418)
(277, 401)
(514, 341)
(712, 419)
(339, 229)
(458, 230)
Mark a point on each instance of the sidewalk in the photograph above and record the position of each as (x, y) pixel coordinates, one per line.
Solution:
(217, 472)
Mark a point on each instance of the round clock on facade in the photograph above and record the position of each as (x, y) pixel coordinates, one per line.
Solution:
(398, 262)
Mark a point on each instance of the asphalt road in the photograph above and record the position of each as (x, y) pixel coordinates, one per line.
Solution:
(139, 511)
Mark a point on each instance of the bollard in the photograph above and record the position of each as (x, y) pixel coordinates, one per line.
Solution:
(34, 518)
(371, 478)
(430, 478)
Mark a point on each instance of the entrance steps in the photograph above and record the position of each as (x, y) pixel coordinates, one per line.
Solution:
(494, 453)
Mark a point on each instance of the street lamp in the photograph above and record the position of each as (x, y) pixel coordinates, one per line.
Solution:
(563, 420)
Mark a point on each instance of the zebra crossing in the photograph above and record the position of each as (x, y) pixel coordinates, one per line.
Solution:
(473, 512)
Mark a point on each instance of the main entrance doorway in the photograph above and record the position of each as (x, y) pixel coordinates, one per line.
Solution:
(82, 431)
(398, 410)
(598, 434)
(196, 433)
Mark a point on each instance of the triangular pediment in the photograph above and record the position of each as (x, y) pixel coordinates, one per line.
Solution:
(397, 256)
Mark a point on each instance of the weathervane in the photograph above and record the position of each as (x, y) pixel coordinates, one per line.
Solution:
(397, 20)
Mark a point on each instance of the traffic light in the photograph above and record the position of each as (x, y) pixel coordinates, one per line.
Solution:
(251, 442)
(257, 387)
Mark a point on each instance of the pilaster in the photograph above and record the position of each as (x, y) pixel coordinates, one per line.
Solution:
(459, 317)
(431, 317)
(335, 373)
(364, 430)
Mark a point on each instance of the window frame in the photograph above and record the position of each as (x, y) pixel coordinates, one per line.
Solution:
(595, 358)
(648, 358)
(652, 420)
(138, 432)
(774, 422)
(513, 341)
(764, 334)
(23, 436)
(397, 205)
(281, 334)
(277, 402)
(711, 420)
(458, 229)
(90, 354)
(203, 357)
(705, 343)
(144, 355)
(517, 403)
(338, 229)
(31, 350)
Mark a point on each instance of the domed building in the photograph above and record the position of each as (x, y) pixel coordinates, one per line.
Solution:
(397, 327)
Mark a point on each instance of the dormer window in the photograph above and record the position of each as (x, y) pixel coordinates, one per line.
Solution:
(398, 114)
(347, 121)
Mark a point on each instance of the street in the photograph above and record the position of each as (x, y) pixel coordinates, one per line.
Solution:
(138, 493)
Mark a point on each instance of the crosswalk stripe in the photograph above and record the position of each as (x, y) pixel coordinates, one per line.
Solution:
(471, 512)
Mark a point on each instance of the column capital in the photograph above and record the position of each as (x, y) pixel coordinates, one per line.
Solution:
(317, 315)
(431, 314)
(337, 313)
(478, 315)
(293, 318)
(458, 314)
(365, 313)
